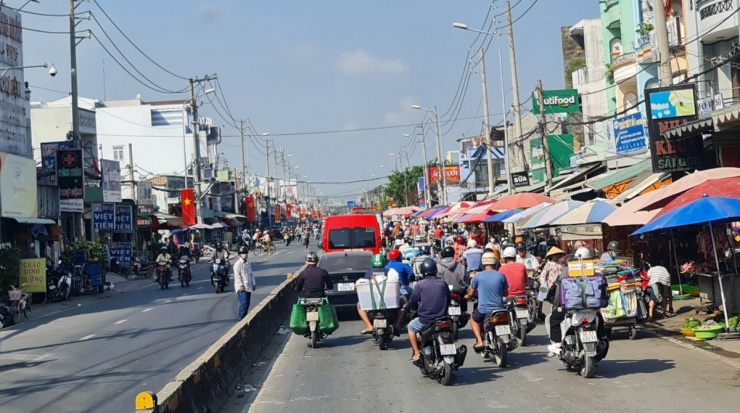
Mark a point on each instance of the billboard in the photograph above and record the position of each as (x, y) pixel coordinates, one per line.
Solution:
(667, 108)
(70, 180)
(111, 180)
(49, 155)
(452, 174)
(15, 108)
(103, 217)
(629, 133)
(557, 101)
(18, 193)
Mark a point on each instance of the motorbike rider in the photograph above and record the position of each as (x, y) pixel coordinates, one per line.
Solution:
(404, 272)
(491, 287)
(526, 258)
(453, 273)
(515, 273)
(471, 257)
(612, 250)
(184, 251)
(378, 263)
(431, 297)
(313, 281)
(221, 252)
(305, 238)
(163, 258)
(459, 247)
(424, 253)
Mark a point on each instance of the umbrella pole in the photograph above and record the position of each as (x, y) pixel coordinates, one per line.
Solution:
(719, 276)
(675, 259)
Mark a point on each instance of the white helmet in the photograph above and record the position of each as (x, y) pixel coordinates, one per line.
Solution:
(472, 243)
(583, 253)
(509, 252)
(488, 258)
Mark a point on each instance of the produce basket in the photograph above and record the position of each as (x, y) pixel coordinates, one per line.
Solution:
(688, 332)
(708, 332)
(15, 295)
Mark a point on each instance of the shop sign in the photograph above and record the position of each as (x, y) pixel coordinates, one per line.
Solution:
(582, 268)
(143, 221)
(70, 180)
(124, 219)
(670, 107)
(288, 212)
(452, 174)
(122, 251)
(104, 217)
(719, 102)
(33, 275)
(144, 194)
(111, 180)
(557, 101)
(520, 179)
(18, 192)
(580, 232)
(629, 133)
(14, 107)
(49, 155)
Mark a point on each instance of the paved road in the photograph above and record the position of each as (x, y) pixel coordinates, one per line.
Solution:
(350, 374)
(97, 357)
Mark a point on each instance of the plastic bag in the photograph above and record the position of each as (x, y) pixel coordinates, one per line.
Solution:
(298, 323)
(328, 319)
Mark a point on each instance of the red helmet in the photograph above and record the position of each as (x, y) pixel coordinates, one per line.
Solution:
(459, 239)
(394, 255)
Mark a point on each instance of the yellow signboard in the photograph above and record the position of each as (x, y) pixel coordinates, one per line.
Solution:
(580, 268)
(33, 275)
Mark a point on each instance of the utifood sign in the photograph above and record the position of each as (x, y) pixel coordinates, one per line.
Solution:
(557, 101)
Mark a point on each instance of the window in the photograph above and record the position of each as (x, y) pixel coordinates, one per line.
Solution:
(616, 46)
(352, 238)
(118, 153)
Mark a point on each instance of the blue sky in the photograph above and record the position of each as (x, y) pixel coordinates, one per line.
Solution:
(297, 68)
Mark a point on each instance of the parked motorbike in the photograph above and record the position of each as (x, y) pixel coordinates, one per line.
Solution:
(184, 274)
(439, 356)
(458, 314)
(581, 347)
(219, 275)
(164, 273)
(497, 339)
(6, 318)
(312, 318)
(519, 316)
(59, 283)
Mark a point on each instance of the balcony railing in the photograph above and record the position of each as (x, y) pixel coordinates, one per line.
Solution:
(625, 57)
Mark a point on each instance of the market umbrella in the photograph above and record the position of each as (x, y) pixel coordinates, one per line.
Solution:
(705, 210)
(502, 215)
(434, 210)
(724, 187)
(631, 213)
(454, 209)
(525, 214)
(687, 182)
(521, 201)
(201, 226)
(588, 213)
(550, 214)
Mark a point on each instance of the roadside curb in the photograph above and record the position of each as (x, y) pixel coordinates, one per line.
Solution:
(686, 345)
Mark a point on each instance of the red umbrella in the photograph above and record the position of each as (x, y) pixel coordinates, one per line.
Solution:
(521, 201)
(725, 187)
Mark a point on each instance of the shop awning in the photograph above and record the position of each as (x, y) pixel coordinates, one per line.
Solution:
(626, 174)
(691, 128)
(635, 189)
(577, 176)
(43, 221)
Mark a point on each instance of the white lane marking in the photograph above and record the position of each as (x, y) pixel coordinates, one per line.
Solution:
(147, 310)
(185, 294)
(87, 337)
(290, 252)
(41, 357)
(167, 301)
(120, 322)
(199, 288)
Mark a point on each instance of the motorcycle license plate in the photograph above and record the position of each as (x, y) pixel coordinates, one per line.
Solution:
(345, 287)
(312, 316)
(454, 310)
(522, 313)
(588, 337)
(380, 323)
(503, 330)
(447, 349)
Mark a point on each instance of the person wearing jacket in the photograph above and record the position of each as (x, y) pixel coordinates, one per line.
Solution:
(452, 271)
(431, 297)
(404, 272)
(244, 283)
(313, 281)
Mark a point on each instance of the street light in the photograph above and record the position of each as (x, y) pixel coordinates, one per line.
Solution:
(441, 183)
(463, 26)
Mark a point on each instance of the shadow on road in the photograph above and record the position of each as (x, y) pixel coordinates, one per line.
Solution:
(466, 376)
(23, 364)
(610, 369)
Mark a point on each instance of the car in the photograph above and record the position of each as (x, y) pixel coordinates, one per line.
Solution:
(345, 268)
(351, 232)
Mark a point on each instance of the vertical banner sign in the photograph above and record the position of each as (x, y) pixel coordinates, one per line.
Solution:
(420, 190)
(33, 275)
(288, 214)
(667, 108)
(187, 202)
(49, 155)
(278, 211)
(122, 251)
(104, 217)
(249, 206)
(124, 219)
(111, 180)
(70, 180)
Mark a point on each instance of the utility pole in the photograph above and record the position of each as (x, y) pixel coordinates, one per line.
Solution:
(487, 125)
(507, 153)
(244, 158)
(426, 169)
(442, 180)
(79, 225)
(545, 143)
(267, 200)
(134, 193)
(514, 84)
(661, 35)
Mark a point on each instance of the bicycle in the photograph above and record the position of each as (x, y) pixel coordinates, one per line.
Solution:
(20, 304)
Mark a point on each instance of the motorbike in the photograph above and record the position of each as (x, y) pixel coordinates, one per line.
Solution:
(6, 318)
(163, 274)
(458, 314)
(184, 274)
(312, 318)
(58, 285)
(519, 316)
(439, 357)
(383, 326)
(219, 275)
(533, 288)
(497, 340)
(286, 239)
(581, 347)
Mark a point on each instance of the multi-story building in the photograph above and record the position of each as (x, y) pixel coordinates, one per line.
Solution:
(474, 165)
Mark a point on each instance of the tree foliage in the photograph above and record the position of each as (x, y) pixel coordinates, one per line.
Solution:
(402, 184)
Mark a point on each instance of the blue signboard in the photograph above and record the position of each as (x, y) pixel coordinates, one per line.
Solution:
(122, 251)
(351, 204)
(124, 219)
(672, 103)
(49, 154)
(629, 134)
(103, 217)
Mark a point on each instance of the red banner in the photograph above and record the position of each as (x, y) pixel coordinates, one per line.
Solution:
(249, 205)
(287, 211)
(452, 174)
(278, 212)
(187, 201)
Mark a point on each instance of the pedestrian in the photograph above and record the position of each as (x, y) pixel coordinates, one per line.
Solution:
(244, 282)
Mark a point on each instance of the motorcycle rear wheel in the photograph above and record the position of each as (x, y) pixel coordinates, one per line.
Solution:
(501, 355)
(522, 337)
(382, 342)
(588, 368)
(531, 310)
(16, 311)
(314, 339)
(445, 377)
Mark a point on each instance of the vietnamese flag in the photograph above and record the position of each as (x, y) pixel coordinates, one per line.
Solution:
(287, 211)
(278, 211)
(187, 200)
(249, 201)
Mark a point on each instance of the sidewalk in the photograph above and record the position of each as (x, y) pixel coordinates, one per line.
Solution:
(670, 329)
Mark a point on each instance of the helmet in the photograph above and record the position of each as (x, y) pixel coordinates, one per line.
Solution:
(518, 239)
(488, 246)
(614, 246)
(244, 231)
(163, 249)
(488, 258)
(213, 244)
(472, 243)
(583, 252)
(509, 252)
(425, 250)
(312, 258)
(505, 243)
(521, 245)
(378, 261)
(428, 268)
(394, 255)
(448, 252)
(399, 236)
(459, 239)
(449, 242)
(243, 250)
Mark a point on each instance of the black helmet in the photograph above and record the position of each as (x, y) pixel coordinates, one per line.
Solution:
(521, 245)
(425, 250)
(448, 252)
(163, 248)
(219, 246)
(399, 235)
(243, 250)
(312, 258)
(428, 268)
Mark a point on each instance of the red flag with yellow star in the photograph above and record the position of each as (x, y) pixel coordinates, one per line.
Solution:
(187, 200)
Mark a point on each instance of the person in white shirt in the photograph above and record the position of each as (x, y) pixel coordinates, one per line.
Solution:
(529, 260)
(244, 282)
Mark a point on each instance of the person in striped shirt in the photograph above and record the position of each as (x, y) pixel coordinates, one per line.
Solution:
(660, 283)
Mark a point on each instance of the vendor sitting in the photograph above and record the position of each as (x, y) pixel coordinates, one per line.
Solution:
(659, 287)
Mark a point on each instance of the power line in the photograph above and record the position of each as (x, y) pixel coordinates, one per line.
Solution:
(520, 16)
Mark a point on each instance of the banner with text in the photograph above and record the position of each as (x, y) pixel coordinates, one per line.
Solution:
(33, 275)
(124, 219)
(452, 174)
(104, 217)
(111, 180)
(667, 108)
(122, 251)
(629, 133)
(18, 190)
(70, 171)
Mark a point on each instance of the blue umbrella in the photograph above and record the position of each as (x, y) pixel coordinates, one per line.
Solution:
(705, 210)
(502, 215)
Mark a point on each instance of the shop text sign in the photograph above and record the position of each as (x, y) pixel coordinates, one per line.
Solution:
(70, 180)
(629, 133)
(452, 174)
(124, 219)
(668, 108)
(122, 252)
(104, 217)
(33, 275)
(520, 179)
(18, 190)
(557, 101)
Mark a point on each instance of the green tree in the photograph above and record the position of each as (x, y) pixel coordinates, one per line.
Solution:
(402, 184)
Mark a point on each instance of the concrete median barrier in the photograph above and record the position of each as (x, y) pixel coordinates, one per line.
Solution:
(206, 384)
